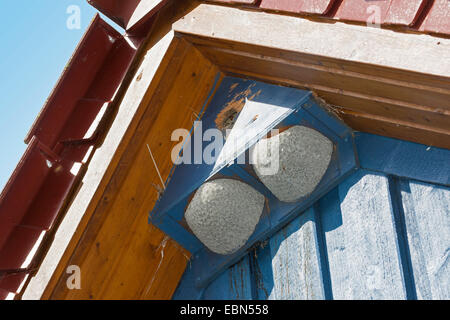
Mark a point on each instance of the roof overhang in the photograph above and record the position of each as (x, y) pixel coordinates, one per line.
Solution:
(131, 15)
(371, 75)
(60, 142)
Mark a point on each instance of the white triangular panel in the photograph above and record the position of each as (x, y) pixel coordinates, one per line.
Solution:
(255, 120)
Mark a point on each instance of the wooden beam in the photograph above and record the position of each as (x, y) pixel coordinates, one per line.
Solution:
(420, 53)
(393, 98)
(377, 74)
(123, 257)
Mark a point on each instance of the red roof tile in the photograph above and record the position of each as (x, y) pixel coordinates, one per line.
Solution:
(36, 191)
(383, 12)
(129, 14)
(28, 206)
(438, 19)
(305, 6)
(404, 13)
(236, 1)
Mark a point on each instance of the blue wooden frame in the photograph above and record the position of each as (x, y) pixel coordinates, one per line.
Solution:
(398, 161)
(403, 159)
(168, 213)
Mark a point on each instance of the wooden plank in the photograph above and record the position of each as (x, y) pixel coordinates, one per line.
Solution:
(233, 284)
(403, 77)
(403, 159)
(361, 240)
(129, 207)
(417, 107)
(91, 226)
(380, 125)
(344, 41)
(396, 110)
(386, 127)
(110, 211)
(98, 174)
(295, 262)
(261, 259)
(413, 96)
(427, 218)
(385, 93)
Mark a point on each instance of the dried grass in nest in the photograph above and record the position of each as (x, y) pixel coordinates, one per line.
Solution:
(334, 110)
(229, 114)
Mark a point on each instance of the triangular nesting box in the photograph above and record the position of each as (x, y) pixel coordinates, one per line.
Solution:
(314, 151)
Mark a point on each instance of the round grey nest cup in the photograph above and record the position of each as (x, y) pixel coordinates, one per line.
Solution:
(292, 163)
(223, 214)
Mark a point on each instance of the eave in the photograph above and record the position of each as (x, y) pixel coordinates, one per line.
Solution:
(382, 91)
(60, 142)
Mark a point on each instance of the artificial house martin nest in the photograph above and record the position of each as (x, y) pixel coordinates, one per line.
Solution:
(297, 158)
(223, 214)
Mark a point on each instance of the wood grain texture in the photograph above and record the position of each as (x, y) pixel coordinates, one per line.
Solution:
(427, 218)
(375, 92)
(361, 240)
(379, 72)
(411, 96)
(354, 95)
(362, 259)
(385, 126)
(403, 159)
(97, 179)
(120, 255)
(124, 219)
(344, 41)
(233, 284)
(378, 235)
(295, 261)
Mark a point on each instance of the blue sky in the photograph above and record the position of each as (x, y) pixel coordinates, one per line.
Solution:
(35, 47)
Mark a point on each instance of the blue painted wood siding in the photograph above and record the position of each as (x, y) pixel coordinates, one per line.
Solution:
(375, 236)
(372, 237)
